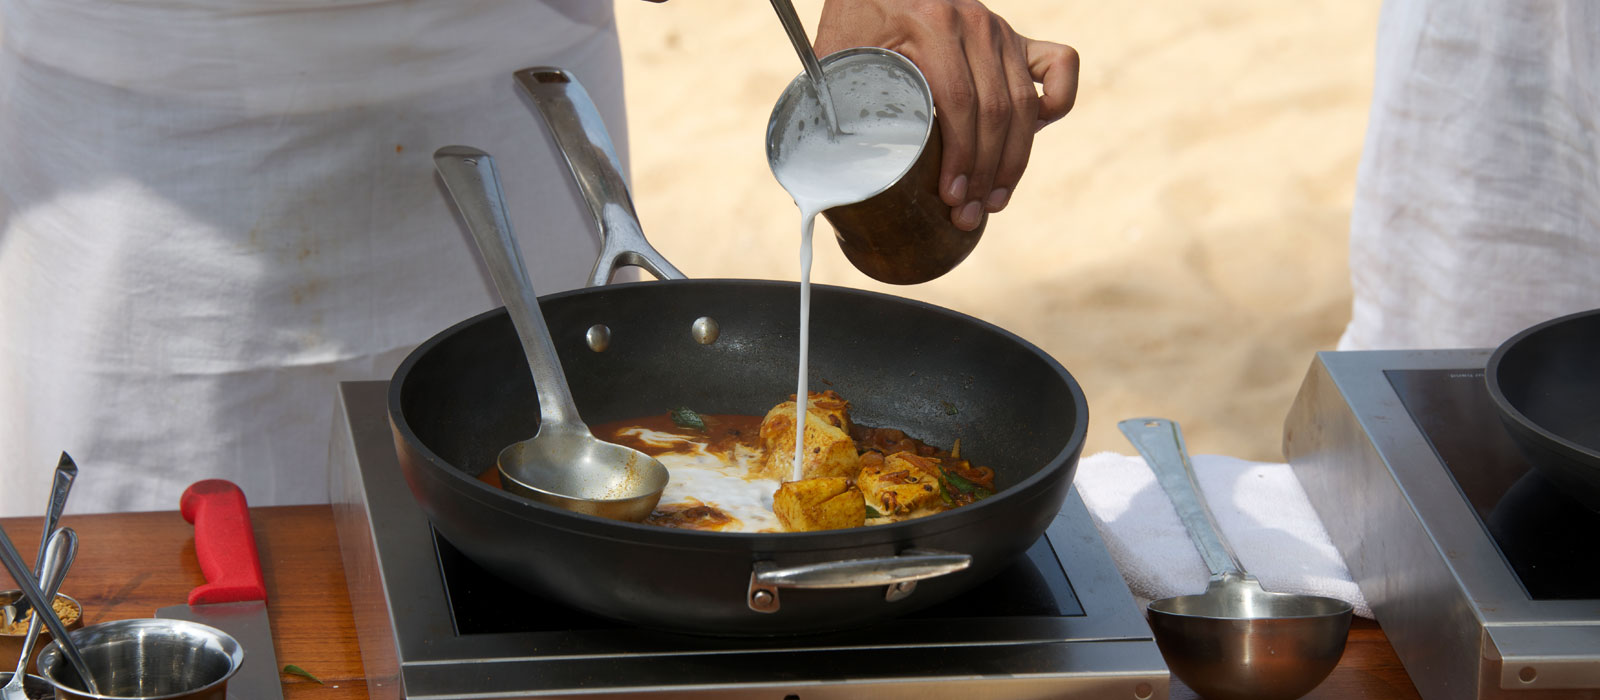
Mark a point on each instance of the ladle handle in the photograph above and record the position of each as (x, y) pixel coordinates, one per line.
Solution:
(581, 136)
(470, 177)
(1160, 442)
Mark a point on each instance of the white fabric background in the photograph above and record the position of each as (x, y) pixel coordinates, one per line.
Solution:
(213, 211)
(1477, 209)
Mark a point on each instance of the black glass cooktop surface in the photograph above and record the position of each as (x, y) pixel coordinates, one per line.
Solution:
(1546, 537)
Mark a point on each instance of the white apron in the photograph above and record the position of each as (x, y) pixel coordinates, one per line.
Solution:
(1477, 209)
(213, 211)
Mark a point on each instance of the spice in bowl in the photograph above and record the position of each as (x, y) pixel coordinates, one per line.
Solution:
(65, 609)
(11, 636)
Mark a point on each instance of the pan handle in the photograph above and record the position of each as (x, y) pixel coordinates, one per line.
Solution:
(581, 137)
(900, 573)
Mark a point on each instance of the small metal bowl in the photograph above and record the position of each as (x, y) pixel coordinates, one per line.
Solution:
(37, 688)
(146, 658)
(11, 644)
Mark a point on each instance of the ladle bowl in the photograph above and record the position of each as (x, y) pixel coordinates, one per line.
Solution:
(564, 464)
(1235, 641)
(614, 481)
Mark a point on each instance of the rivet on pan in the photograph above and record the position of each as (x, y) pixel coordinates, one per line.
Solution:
(764, 601)
(898, 591)
(598, 337)
(705, 330)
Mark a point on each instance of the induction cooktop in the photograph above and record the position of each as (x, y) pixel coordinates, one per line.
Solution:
(1059, 622)
(1484, 576)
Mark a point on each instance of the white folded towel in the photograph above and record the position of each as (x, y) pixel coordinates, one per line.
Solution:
(1264, 515)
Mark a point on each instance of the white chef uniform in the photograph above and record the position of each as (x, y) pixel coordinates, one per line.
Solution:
(212, 211)
(1477, 209)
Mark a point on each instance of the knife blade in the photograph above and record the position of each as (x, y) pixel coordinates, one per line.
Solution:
(234, 597)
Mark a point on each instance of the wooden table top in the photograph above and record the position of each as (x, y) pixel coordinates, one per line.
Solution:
(130, 564)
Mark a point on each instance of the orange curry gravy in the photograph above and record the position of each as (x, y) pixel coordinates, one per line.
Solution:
(735, 441)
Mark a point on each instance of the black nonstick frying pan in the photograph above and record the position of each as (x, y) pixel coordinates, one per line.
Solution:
(1545, 381)
(730, 346)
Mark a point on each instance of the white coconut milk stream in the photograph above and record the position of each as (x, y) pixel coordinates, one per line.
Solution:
(821, 173)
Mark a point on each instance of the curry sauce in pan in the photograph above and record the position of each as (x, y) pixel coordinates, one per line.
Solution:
(734, 473)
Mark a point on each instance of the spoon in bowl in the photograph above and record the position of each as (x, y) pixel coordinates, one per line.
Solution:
(30, 588)
(808, 59)
(59, 549)
(564, 464)
(66, 473)
(1236, 641)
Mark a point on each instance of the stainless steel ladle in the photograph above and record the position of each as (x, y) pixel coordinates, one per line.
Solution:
(564, 464)
(1236, 641)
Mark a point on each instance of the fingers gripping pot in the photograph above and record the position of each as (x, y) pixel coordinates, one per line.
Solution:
(728, 346)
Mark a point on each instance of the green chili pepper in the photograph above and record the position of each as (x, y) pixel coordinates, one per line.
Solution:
(961, 483)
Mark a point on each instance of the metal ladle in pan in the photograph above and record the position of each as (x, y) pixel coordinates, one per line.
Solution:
(563, 465)
(1236, 641)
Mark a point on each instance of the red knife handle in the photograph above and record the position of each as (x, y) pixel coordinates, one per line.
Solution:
(224, 543)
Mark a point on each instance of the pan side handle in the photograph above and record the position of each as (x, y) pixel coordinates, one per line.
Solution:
(900, 573)
(581, 136)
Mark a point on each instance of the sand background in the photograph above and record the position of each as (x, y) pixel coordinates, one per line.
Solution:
(1178, 242)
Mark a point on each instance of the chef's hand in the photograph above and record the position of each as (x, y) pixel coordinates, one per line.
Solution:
(982, 74)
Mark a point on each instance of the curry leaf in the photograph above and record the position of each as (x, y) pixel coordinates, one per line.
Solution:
(687, 418)
(294, 670)
(873, 512)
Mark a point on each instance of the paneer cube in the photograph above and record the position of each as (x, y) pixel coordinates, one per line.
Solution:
(824, 503)
(829, 451)
(901, 483)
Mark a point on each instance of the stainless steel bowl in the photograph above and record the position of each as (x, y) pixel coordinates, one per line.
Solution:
(146, 658)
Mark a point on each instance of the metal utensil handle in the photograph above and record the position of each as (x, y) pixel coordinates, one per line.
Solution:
(60, 548)
(581, 136)
(61, 485)
(808, 58)
(913, 565)
(1160, 441)
(30, 588)
(66, 473)
(470, 177)
(899, 573)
